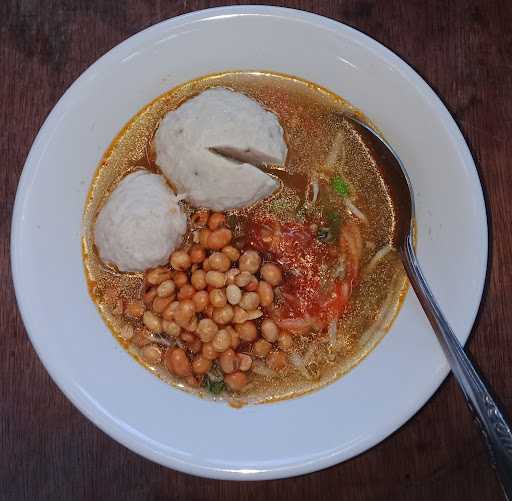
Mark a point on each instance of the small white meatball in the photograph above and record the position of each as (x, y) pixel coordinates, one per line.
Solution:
(140, 224)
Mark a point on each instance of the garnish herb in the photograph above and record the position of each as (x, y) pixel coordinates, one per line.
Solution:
(213, 387)
(340, 186)
(334, 218)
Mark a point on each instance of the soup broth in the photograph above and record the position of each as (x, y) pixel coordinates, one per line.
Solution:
(330, 191)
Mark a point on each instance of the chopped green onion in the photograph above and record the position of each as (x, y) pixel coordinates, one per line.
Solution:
(340, 186)
(231, 221)
(213, 387)
(334, 218)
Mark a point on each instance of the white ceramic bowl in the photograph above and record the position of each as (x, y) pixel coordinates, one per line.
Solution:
(172, 427)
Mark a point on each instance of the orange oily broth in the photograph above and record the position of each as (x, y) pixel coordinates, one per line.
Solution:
(308, 116)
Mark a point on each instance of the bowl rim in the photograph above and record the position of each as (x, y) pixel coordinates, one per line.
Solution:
(31, 165)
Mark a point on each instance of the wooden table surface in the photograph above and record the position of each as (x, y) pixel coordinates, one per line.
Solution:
(48, 450)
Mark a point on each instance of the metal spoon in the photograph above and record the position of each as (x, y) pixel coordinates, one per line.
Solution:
(493, 424)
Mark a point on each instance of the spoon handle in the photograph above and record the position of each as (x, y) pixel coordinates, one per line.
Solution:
(493, 424)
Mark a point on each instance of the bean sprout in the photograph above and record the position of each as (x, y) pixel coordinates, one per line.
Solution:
(332, 334)
(337, 148)
(298, 362)
(261, 369)
(355, 211)
(379, 255)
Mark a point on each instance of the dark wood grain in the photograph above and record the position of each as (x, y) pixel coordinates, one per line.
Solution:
(48, 450)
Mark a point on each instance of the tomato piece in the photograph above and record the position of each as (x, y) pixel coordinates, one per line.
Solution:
(294, 246)
(336, 305)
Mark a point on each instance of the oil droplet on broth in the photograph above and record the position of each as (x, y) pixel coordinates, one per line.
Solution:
(308, 115)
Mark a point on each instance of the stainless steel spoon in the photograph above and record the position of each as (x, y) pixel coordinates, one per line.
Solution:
(493, 424)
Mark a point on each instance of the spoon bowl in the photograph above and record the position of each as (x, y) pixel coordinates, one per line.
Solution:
(493, 424)
(395, 178)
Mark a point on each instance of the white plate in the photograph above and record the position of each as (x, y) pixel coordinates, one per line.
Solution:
(173, 427)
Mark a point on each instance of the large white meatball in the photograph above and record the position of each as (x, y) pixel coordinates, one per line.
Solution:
(140, 224)
(219, 118)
